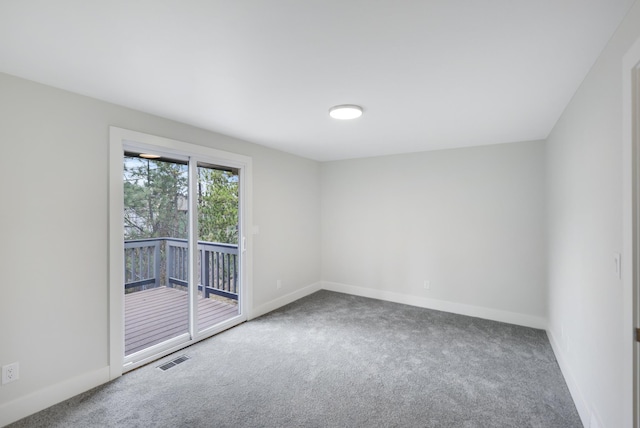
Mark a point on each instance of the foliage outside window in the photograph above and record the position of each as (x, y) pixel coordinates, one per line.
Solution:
(156, 201)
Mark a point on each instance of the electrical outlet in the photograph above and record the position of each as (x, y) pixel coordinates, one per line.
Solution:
(427, 285)
(10, 373)
(279, 284)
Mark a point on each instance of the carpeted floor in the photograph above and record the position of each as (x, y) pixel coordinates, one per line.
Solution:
(334, 360)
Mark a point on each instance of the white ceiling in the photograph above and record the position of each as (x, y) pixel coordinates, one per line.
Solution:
(429, 74)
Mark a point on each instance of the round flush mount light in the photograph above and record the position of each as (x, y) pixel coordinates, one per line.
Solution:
(345, 112)
(149, 156)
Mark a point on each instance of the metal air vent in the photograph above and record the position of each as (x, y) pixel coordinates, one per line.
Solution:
(173, 363)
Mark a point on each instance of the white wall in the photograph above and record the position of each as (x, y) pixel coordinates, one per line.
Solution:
(53, 229)
(471, 221)
(585, 163)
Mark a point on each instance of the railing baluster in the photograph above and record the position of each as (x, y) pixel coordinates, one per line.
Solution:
(147, 262)
(201, 272)
(134, 264)
(175, 253)
(185, 258)
(176, 260)
(214, 270)
(219, 281)
(185, 266)
(140, 265)
(156, 263)
(205, 272)
(209, 265)
(228, 279)
(235, 274)
(180, 263)
(222, 272)
(169, 263)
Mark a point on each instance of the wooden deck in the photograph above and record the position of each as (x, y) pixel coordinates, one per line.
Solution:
(158, 314)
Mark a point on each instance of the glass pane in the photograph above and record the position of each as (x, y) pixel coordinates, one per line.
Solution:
(156, 221)
(218, 277)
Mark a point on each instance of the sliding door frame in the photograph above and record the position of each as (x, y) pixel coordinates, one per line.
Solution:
(631, 235)
(122, 140)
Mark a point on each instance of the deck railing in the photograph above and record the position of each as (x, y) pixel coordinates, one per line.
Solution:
(157, 262)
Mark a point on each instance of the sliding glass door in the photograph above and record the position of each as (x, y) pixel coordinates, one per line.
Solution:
(156, 256)
(218, 238)
(182, 258)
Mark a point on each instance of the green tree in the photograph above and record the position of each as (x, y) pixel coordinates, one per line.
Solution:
(217, 205)
(156, 195)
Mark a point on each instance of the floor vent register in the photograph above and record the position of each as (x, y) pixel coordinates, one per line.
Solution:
(173, 363)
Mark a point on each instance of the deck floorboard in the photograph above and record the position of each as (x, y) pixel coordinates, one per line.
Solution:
(158, 314)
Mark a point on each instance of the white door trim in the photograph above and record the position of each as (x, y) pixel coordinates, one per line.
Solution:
(630, 230)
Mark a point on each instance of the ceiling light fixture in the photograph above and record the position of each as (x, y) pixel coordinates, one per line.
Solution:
(149, 156)
(345, 112)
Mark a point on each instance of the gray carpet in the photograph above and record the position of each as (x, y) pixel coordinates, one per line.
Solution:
(334, 360)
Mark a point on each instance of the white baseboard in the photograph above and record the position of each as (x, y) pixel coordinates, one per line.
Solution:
(588, 417)
(21, 407)
(440, 305)
(284, 300)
